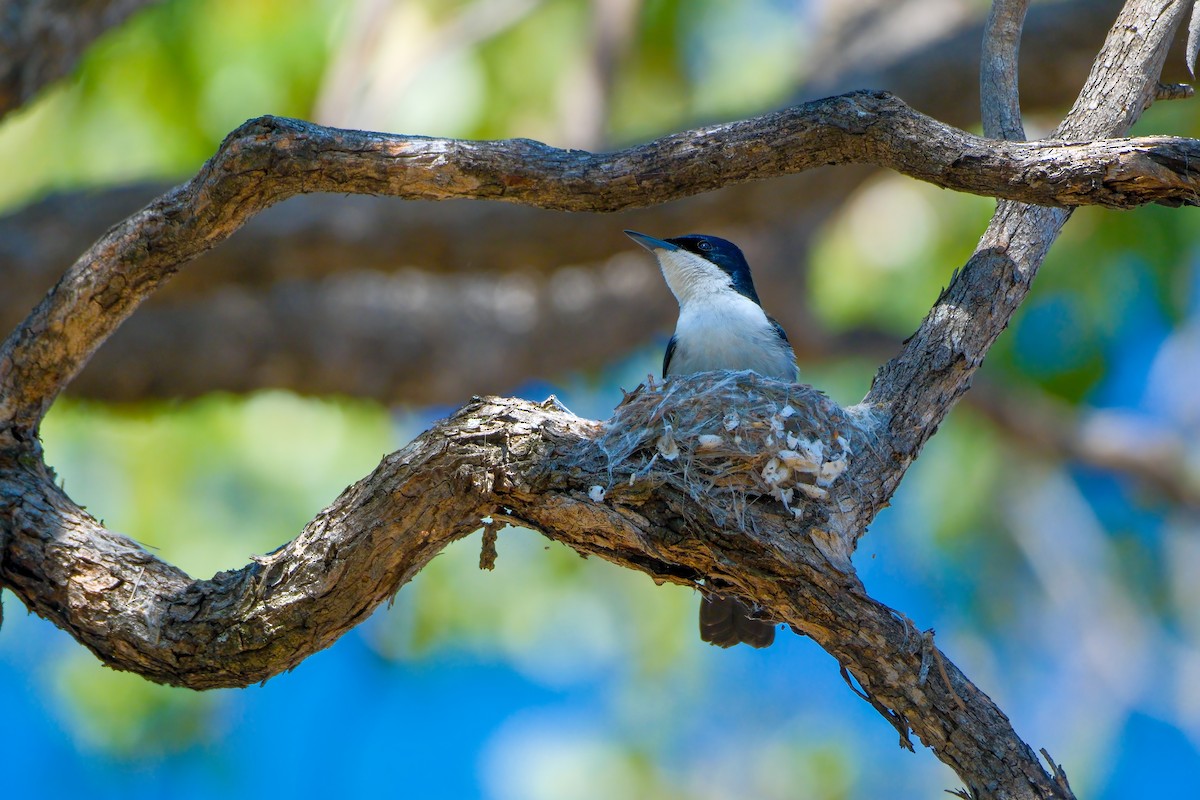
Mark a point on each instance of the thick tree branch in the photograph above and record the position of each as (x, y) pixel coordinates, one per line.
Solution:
(314, 236)
(42, 41)
(913, 392)
(390, 337)
(787, 478)
(606, 490)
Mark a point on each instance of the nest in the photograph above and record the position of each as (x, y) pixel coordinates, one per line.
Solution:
(728, 438)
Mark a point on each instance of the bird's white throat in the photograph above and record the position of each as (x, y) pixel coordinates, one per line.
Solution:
(692, 278)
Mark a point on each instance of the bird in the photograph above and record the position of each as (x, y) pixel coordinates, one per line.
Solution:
(721, 326)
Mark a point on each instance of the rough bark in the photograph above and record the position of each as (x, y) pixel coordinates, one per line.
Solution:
(316, 235)
(1000, 97)
(727, 482)
(938, 361)
(536, 465)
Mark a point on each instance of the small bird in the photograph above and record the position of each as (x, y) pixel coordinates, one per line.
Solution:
(721, 326)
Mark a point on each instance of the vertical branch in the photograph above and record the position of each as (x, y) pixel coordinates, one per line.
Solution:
(1123, 81)
(914, 392)
(1000, 101)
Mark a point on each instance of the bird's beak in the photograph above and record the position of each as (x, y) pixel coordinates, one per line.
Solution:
(649, 242)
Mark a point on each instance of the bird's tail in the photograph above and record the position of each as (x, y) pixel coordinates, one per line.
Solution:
(725, 622)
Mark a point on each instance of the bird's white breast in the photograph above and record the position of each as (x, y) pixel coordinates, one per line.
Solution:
(728, 331)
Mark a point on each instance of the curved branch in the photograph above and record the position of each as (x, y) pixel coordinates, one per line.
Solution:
(315, 235)
(449, 338)
(603, 490)
(269, 159)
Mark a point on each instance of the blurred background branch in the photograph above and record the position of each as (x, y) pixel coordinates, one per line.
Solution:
(386, 47)
(309, 238)
(42, 41)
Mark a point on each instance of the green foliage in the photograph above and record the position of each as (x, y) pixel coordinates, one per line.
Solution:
(525, 70)
(204, 485)
(208, 483)
(929, 233)
(155, 97)
(554, 616)
(953, 483)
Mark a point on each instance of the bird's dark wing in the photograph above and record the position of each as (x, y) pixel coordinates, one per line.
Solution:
(667, 356)
(778, 329)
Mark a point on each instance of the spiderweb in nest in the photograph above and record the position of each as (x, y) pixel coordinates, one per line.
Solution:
(729, 437)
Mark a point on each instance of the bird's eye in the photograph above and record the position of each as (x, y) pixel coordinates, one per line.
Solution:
(704, 246)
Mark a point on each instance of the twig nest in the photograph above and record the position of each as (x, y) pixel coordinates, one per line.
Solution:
(729, 437)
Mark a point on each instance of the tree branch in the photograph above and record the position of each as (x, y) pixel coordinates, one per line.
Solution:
(916, 390)
(314, 236)
(999, 95)
(750, 488)
(390, 337)
(269, 159)
(606, 490)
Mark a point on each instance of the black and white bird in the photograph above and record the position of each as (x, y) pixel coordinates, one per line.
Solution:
(721, 326)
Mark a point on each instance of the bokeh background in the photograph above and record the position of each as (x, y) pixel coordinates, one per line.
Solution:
(1049, 533)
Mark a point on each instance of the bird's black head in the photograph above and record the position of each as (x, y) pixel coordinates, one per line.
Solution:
(726, 255)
